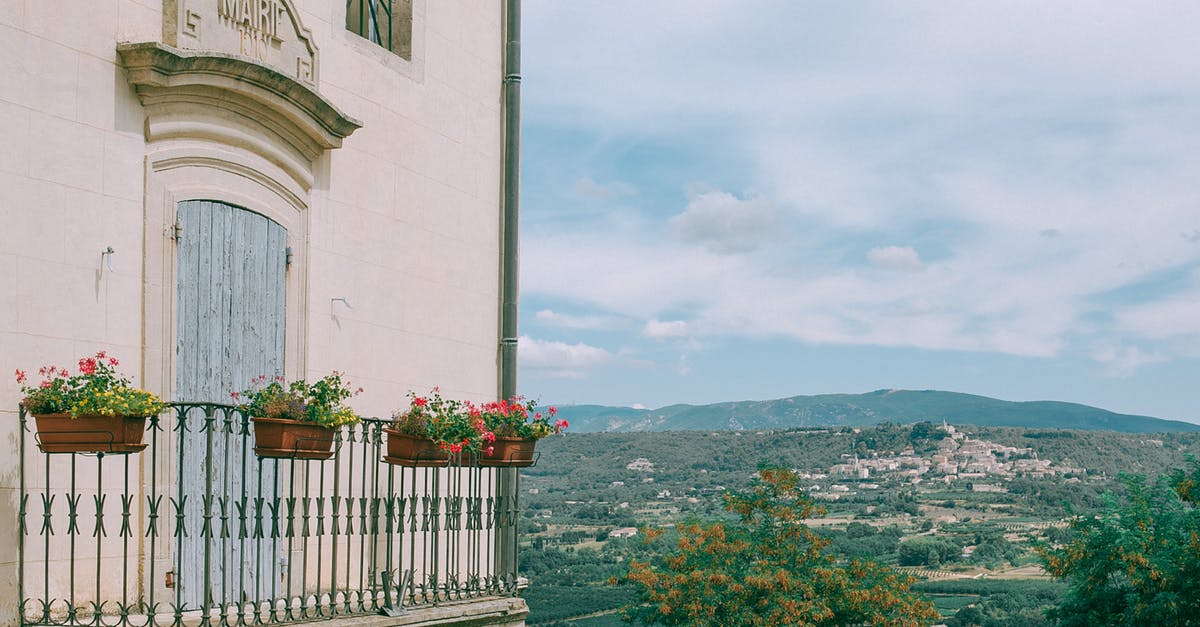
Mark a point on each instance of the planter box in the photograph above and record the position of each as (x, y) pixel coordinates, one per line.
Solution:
(290, 439)
(407, 450)
(111, 435)
(509, 451)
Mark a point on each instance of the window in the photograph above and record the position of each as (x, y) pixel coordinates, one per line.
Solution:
(387, 23)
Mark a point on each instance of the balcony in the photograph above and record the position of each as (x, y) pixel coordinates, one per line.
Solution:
(198, 530)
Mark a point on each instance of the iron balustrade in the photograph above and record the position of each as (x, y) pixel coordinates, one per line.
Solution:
(197, 529)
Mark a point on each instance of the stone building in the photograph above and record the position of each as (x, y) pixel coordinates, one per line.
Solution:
(215, 189)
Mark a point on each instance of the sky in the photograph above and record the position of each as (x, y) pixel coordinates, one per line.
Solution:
(755, 199)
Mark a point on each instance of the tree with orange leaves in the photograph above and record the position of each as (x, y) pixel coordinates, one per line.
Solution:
(1137, 562)
(768, 568)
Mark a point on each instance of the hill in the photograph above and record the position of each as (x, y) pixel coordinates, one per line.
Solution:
(898, 406)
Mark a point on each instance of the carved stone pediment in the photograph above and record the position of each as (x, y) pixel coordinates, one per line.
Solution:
(267, 32)
(230, 100)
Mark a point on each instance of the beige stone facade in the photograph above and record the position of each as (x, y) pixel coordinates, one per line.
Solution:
(388, 183)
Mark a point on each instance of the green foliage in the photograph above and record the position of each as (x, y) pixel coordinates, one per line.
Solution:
(928, 551)
(767, 568)
(549, 604)
(998, 602)
(320, 402)
(446, 422)
(97, 390)
(518, 417)
(864, 541)
(1138, 561)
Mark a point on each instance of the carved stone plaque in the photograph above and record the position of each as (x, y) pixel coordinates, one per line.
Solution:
(268, 32)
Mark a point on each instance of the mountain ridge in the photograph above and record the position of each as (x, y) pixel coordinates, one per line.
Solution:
(870, 408)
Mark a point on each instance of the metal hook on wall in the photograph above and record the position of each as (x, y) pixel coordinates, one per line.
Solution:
(344, 301)
(106, 259)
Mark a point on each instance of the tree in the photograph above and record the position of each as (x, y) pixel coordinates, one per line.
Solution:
(767, 568)
(1138, 561)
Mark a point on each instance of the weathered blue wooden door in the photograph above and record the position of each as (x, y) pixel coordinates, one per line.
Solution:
(231, 270)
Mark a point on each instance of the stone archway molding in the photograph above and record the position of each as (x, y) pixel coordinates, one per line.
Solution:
(228, 99)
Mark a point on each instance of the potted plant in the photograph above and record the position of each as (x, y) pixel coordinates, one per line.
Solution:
(95, 411)
(297, 420)
(515, 426)
(431, 431)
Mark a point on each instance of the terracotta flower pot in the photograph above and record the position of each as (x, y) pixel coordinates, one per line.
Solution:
(292, 439)
(407, 450)
(509, 451)
(87, 433)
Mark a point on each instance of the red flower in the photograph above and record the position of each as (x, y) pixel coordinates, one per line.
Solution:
(112, 361)
(87, 366)
(420, 401)
(456, 448)
(234, 395)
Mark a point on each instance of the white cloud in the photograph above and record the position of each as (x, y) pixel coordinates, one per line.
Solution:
(683, 368)
(896, 257)
(1122, 362)
(561, 359)
(724, 224)
(590, 188)
(570, 321)
(658, 330)
(1172, 319)
(1053, 165)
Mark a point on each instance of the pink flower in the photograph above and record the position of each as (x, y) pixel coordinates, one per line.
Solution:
(112, 361)
(62, 372)
(87, 366)
(45, 384)
(552, 411)
(489, 436)
(101, 355)
(234, 395)
(489, 451)
(20, 376)
(559, 425)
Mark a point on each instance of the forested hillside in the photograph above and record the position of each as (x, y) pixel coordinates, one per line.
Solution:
(902, 406)
(962, 509)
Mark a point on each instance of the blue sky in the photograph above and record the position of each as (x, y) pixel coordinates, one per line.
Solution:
(755, 199)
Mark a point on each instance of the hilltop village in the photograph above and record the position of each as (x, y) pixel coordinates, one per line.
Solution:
(957, 457)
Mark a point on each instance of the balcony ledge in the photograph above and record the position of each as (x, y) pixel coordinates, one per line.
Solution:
(503, 611)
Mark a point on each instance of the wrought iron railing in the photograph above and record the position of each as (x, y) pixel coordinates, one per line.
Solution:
(198, 529)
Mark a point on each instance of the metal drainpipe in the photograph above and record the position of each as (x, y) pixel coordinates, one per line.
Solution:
(511, 198)
(506, 545)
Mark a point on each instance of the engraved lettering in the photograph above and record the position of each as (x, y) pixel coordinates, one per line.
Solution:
(263, 19)
(227, 9)
(263, 30)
